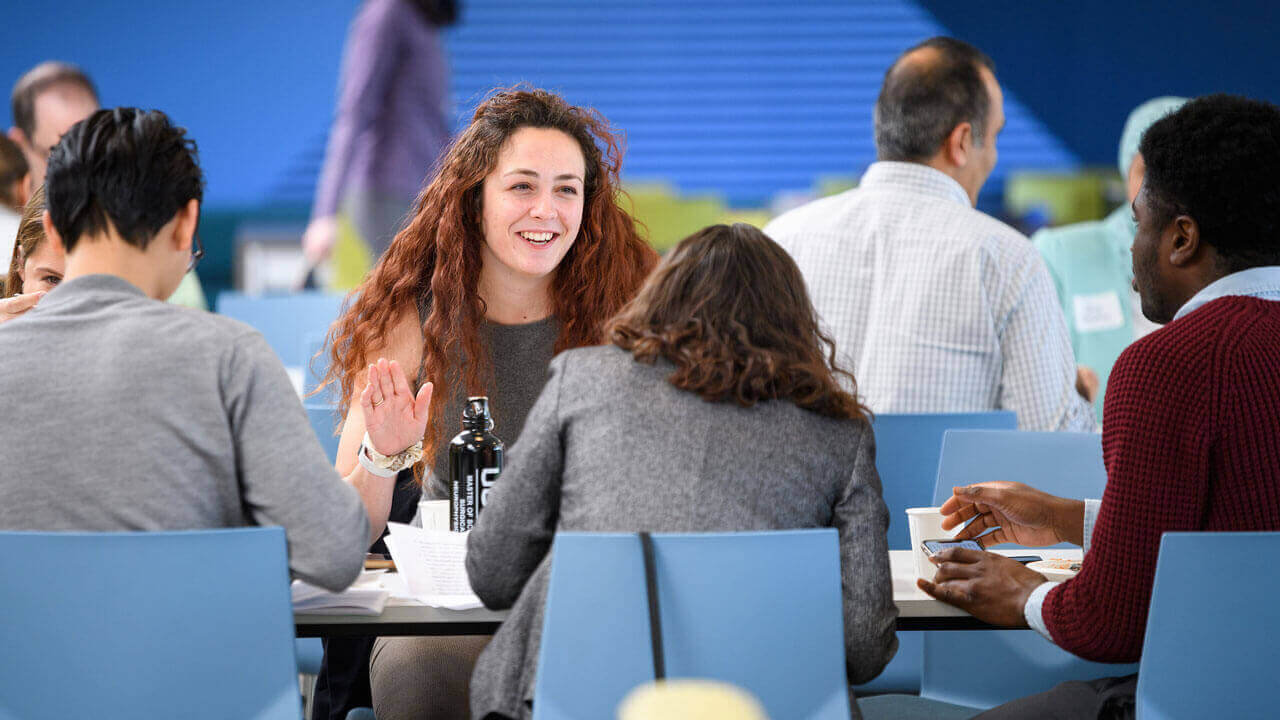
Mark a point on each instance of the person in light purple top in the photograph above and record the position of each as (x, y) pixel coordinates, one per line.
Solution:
(390, 124)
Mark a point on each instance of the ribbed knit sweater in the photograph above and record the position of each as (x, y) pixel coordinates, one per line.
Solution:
(1191, 441)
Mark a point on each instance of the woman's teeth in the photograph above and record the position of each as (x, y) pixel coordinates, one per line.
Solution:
(539, 238)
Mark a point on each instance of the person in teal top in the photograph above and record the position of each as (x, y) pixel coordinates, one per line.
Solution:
(1093, 271)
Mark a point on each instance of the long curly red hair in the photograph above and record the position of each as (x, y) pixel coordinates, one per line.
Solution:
(437, 258)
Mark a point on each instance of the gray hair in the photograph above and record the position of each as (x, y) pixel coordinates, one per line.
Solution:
(921, 102)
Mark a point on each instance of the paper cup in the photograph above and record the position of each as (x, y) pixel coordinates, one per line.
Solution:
(434, 514)
(925, 524)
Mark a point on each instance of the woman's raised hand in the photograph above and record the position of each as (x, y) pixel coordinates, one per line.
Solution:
(393, 417)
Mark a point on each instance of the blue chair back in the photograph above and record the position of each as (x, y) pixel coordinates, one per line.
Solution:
(760, 610)
(907, 451)
(1066, 464)
(1014, 663)
(294, 325)
(123, 625)
(324, 420)
(1210, 648)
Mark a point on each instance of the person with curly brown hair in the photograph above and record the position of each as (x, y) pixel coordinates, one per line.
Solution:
(717, 407)
(517, 250)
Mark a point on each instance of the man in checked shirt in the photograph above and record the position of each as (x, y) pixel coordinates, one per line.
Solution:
(935, 306)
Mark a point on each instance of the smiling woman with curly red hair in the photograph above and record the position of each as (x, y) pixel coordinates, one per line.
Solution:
(517, 250)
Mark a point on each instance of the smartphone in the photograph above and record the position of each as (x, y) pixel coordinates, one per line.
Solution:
(933, 547)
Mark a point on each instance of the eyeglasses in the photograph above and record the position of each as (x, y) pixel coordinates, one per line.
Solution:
(197, 252)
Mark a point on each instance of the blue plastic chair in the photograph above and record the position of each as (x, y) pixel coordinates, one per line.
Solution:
(908, 448)
(123, 625)
(294, 325)
(760, 610)
(1015, 663)
(323, 419)
(1210, 648)
(907, 451)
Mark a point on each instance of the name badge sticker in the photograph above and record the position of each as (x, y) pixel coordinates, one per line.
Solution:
(1097, 312)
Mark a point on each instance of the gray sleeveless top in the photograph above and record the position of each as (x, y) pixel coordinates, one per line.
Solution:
(520, 355)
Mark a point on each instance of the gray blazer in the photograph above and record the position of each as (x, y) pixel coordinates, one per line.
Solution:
(610, 445)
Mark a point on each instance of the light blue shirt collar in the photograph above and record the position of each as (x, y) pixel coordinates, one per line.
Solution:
(1258, 282)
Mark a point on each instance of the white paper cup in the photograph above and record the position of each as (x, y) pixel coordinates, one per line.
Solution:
(925, 524)
(434, 514)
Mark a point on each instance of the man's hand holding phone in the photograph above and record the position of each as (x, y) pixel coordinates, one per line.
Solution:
(990, 587)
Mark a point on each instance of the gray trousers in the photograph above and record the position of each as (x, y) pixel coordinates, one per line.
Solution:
(1105, 698)
(377, 217)
(424, 678)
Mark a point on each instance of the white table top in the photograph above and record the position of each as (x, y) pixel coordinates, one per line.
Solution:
(912, 602)
(409, 617)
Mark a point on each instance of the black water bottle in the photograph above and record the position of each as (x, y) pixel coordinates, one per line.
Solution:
(475, 461)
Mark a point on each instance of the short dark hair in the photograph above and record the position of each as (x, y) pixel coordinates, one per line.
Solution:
(13, 167)
(1216, 160)
(127, 167)
(37, 80)
(920, 103)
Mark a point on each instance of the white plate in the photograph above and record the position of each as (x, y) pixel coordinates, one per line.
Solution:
(1045, 568)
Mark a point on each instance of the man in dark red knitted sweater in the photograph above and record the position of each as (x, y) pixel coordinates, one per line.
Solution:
(1191, 425)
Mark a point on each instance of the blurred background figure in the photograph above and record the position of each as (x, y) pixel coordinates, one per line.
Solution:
(47, 101)
(1093, 271)
(13, 192)
(390, 126)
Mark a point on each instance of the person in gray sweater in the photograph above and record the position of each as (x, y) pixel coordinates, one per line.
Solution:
(126, 413)
(716, 408)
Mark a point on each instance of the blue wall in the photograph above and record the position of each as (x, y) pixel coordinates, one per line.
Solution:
(1081, 66)
(253, 82)
(741, 97)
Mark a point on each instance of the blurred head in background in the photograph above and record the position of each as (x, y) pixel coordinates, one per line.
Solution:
(1132, 166)
(46, 102)
(123, 195)
(13, 192)
(940, 105)
(13, 177)
(1206, 208)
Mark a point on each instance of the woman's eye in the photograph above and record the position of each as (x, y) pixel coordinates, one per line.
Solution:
(569, 190)
(53, 279)
(520, 186)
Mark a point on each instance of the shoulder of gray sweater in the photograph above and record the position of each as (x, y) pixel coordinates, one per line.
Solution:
(609, 367)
